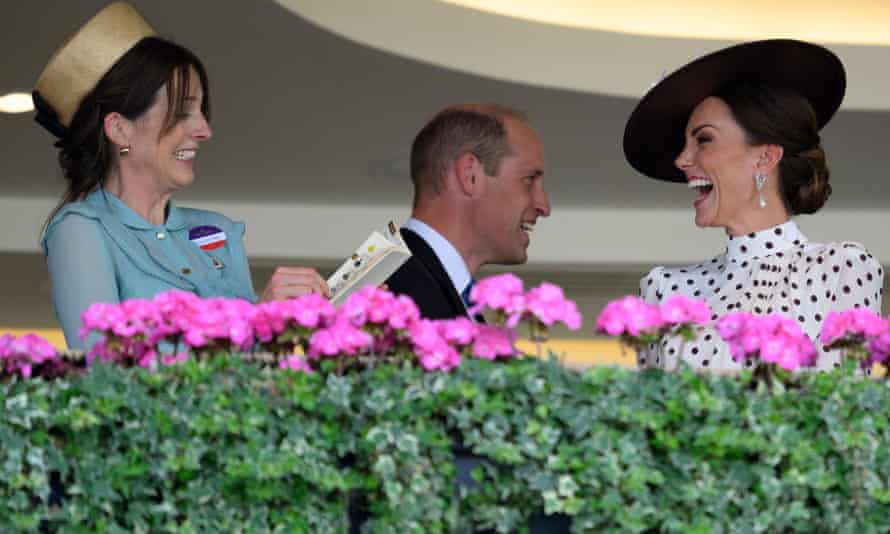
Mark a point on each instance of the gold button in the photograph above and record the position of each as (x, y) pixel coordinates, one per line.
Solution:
(160, 235)
(186, 270)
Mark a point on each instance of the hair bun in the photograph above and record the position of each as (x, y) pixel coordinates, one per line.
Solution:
(806, 177)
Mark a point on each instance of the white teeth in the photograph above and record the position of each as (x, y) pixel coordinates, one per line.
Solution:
(698, 182)
(184, 155)
(528, 227)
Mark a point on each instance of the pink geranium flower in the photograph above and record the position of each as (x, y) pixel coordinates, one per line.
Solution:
(269, 320)
(340, 338)
(404, 313)
(879, 349)
(503, 293)
(147, 358)
(493, 342)
(548, 304)
(425, 334)
(173, 359)
(853, 326)
(680, 309)
(430, 343)
(295, 363)
(460, 331)
(357, 307)
(385, 316)
(438, 356)
(862, 333)
(310, 311)
(19, 356)
(100, 317)
(772, 338)
(5, 342)
(176, 309)
(630, 316)
(136, 317)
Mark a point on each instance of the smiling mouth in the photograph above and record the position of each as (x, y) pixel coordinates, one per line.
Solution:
(701, 186)
(185, 155)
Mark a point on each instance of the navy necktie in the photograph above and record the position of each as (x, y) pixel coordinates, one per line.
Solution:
(465, 294)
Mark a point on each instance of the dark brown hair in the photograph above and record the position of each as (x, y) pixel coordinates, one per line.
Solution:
(130, 88)
(777, 116)
(454, 131)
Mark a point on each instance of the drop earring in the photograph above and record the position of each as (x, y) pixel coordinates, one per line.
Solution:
(759, 180)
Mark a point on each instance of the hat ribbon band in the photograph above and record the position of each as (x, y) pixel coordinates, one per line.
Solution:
(47, 116)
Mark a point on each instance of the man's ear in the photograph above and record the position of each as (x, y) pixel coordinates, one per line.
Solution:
(118, 129)
(770, 156)
(468, 171)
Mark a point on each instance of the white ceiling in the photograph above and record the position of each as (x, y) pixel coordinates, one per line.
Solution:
(864, 21)
(607, 47)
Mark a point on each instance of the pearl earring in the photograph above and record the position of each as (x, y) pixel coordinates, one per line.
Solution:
(759, 180)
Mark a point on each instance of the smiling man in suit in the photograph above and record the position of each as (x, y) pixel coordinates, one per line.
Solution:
(478, 174)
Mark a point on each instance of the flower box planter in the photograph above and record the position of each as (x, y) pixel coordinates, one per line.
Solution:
(217, 440)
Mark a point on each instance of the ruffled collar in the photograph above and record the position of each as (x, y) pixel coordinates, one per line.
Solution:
(765, 242)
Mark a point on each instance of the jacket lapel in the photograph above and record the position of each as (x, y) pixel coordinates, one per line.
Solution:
(427, 257)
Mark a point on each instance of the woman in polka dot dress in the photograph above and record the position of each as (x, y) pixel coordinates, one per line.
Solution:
(740, 128)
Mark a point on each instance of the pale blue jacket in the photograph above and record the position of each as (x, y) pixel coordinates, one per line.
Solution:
(100, 250)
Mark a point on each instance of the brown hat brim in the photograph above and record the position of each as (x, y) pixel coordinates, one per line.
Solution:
(655, 132)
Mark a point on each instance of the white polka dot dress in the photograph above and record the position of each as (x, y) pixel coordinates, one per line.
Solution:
(776, 270)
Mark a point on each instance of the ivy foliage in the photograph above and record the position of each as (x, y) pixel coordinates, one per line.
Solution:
(226, 446)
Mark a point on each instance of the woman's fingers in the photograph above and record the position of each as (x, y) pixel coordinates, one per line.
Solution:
(290, 282)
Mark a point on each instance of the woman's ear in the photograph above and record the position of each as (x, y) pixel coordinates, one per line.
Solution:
(770, 156)
(117, 129)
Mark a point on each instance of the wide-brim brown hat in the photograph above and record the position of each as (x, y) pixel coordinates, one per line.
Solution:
(655, 132)
(76, 68)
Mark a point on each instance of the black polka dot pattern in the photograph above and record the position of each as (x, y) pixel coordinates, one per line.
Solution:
(774, 270)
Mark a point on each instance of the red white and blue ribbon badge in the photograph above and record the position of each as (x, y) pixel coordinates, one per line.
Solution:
(207, 237)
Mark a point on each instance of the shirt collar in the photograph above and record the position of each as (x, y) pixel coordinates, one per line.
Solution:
(764, 242)
(175, 219)
(451, 259)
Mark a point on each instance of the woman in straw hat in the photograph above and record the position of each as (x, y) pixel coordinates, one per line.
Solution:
(740, 127)
(131, 111)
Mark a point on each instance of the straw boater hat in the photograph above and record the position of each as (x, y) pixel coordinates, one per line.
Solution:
(655, 132)
(76, 68)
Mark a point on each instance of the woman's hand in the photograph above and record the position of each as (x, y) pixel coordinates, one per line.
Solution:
(290, 282)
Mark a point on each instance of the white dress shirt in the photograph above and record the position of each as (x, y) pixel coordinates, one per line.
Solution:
(776, 270)
(454, 263)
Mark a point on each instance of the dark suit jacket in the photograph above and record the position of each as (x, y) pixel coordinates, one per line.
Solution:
(424, 279)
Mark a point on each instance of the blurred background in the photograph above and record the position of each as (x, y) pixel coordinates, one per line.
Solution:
(316, 102)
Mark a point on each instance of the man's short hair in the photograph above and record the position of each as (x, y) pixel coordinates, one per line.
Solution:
(475, 128)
